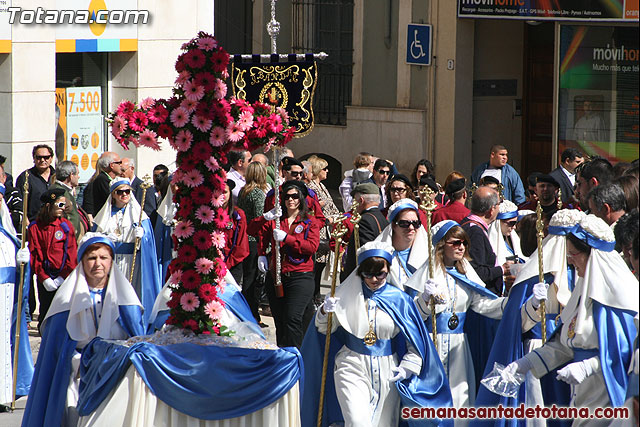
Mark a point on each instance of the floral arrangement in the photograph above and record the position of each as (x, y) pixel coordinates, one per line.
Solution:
(202, 125)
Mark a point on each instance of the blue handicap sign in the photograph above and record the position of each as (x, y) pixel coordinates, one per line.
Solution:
(419, 44)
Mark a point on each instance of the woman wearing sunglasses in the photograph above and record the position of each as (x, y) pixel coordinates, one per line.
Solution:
(381, 357)
(119, 219)
(298, 238)
(52, 241)
(457, 289)
(504, 241)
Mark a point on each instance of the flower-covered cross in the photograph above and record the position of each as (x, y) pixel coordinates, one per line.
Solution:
(202, 125)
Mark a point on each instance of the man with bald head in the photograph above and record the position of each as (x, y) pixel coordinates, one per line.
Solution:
(484, 210)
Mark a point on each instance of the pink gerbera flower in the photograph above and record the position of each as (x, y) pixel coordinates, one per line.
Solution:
(221, 219)
(118, 126)
(216, 137)
(182, 141)
(175, 277)
(184, 229)
(193, 178)
(233, 132)
(217, 200)
(219, 89)
(212, 164)
(138, 121)
(207, 43)
(204, 265)
(158, 114)
(201, 123)
(125, 109)
(218, 239)
(189, 301)
(214, 310)
(189, 105)
(207, 292)
(148, 138)
(147, 103)
(245, 121)
(205, 214)
(193, 91)
(183, 77)
(179, 117)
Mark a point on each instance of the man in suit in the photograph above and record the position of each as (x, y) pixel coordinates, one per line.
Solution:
(111, 166)
(371, 224)
(565, 174)
(150, 205)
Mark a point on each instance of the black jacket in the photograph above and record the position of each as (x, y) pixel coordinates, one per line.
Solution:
(37, 186)
(565, 184)
(371, 225)
(100, 190)
(483, 259)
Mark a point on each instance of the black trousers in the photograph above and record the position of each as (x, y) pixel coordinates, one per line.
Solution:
(289, 312)
(44, 298)
(236, 272)
(250, 279)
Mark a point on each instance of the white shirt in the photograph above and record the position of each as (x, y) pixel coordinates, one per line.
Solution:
(240, 181)
(571, 176)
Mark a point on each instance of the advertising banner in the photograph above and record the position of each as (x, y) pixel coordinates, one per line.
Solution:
(5, 27)
(554, 10)
(84, 128)
(598, 91)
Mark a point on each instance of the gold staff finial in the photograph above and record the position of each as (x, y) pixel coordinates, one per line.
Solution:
(540, 237)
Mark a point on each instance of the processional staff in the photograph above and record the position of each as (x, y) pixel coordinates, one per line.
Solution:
(428, 206)
(540, 236)
(16, 341)
(337, 234)
(146, 183)
(276, 247)
(355, 220)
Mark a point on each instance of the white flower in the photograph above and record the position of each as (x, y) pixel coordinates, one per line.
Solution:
(566, 218)
(597, 228)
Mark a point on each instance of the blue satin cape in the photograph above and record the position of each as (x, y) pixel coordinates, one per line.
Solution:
(25, 358)
(48, 394)
(205, 382)
(429, 389)
(510, 348)
(149, 272)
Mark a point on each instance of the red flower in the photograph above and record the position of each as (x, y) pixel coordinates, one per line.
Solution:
(205, 79)
(202, 240)
(190, 279)
(201, 195)
(174, 301)
(186, 254)
(207, 292)
(221, 219)
(220, 60)
(138, 121)
(190, 324)
(202, 151)
(172, 320)
(180, 63)
(158, 114)
(205, 110)
(220, 268)
(194, 58)
(217, 182)
(187, 163)
(165, 131)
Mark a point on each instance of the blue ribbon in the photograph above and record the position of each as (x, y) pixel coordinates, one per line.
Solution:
(118, 183)
(2, 189)
(507, 215)
(379, 348)
(470, 284)
(375, 252)
(93, 240)
(124, 248)
(442, 323)
(559, 231)
(443, 230)
(399, 209)
(591, 240)
(580, 354)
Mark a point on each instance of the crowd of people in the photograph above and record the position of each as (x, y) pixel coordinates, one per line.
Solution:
(464, 251)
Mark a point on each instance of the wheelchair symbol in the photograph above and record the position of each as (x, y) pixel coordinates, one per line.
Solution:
(416, 47)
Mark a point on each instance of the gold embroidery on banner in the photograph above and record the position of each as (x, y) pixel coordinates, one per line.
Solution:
(240, 84)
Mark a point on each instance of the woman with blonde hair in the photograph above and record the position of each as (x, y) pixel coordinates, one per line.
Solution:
(251, 201)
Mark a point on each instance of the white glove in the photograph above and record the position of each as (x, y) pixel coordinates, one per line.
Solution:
(139, 232)
(113, 237)
(23, 256)
(437, 290)
(58, 281)
(273, 213)
(263, 263)
(279, 235)
(575, 373)
(400, 374)
(520, 366)
(539, 293)
(49, 284)
(330, 304)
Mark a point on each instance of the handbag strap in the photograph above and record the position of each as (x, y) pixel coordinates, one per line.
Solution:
(377, 222)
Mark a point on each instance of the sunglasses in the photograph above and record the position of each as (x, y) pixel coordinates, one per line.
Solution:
(380, 275)
(403, 223)
(397, 190)
(511, 223)
(383, 172)
(295, 173)
(117, 163)
(44, 157)
(126, 191)
(326, 169)
(61, 205)
(293, 196)
(456, 243)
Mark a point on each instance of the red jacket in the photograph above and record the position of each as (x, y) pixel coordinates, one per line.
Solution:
(48, 249)
(298, 248)
(236, 239)
(454, 211)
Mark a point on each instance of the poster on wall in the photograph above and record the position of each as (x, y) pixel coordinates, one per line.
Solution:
(61, 124)
(84, 128)
(598, 91)
(555, 10)
(5, 26)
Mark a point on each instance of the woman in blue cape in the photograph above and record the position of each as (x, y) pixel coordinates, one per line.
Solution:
(457, 289)
(520, 330)
(120, 219)
(96, 300)
(597, 332)
(381, 357)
